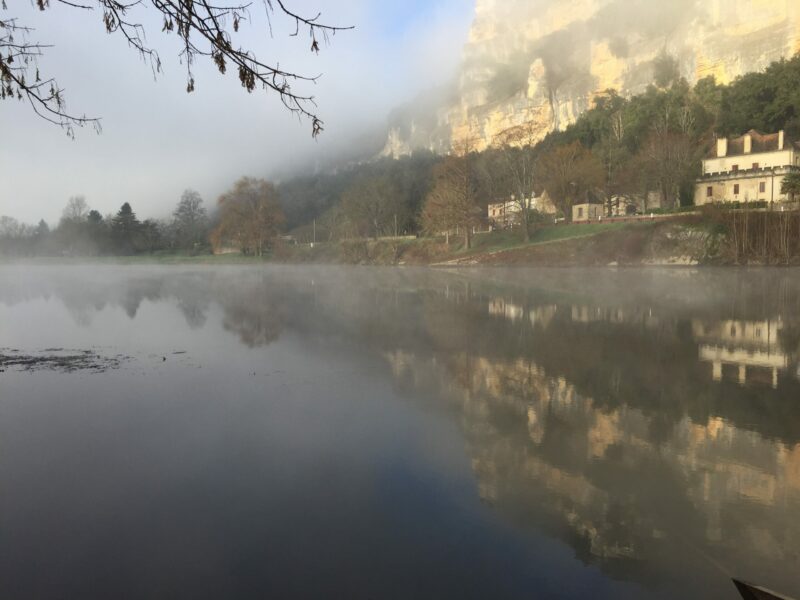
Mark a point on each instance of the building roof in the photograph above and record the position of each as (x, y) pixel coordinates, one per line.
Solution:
(762, 142)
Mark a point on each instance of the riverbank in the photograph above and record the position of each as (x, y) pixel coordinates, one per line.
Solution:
(686, 241)
(677, 242)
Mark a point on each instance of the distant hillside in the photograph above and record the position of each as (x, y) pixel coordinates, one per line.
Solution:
(545, 61)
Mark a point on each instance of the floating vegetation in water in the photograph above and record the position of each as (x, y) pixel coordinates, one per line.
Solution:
(59, 359)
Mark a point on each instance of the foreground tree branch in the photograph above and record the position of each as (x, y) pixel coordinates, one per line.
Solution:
(206, 29)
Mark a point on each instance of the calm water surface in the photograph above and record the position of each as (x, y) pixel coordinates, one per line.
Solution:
(357, 433)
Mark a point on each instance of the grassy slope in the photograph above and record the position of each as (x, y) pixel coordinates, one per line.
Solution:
(503, 242)
(611, 243)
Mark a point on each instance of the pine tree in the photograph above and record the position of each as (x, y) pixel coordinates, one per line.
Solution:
(124, 229)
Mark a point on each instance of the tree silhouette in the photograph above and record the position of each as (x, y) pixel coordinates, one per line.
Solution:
(568, 173)
(452, 202)
(190, 220)
(791, 185)
(124, 228)
(250, 217)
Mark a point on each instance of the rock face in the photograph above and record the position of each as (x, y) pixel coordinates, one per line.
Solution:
(544, 61)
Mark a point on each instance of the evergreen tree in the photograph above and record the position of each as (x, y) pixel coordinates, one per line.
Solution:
(42, 229)
(94, 217)
(791, 186)
(124, 229)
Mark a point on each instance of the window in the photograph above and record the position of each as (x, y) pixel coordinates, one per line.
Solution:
(755, 166)
(709, 192)
(762, 187)
(580, 212)
(735, 168)
(735, 189)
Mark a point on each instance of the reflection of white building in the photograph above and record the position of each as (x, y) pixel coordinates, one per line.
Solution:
(616, 315)
(593, 314)
(751, 348)
(538, 316)
(499, 307)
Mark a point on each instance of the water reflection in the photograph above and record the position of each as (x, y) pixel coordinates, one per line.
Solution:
(649, 419)
(750, 350)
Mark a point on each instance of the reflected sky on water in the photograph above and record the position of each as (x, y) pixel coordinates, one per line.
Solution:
(391, 433)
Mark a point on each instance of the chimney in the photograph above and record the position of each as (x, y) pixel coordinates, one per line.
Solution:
(781, 139)
(722, 147)
(748, 143)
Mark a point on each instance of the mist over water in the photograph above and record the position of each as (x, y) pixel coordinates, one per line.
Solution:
(309, 432)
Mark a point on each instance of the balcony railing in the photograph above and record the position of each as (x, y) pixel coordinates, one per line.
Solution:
(759, 171)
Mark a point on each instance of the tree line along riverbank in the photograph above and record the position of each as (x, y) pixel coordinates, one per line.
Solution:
(712, 237)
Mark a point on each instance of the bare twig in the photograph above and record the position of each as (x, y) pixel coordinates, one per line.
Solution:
(205, 29)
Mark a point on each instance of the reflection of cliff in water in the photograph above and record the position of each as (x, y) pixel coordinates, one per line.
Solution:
(606, 479)
(605, 426)
(606, 408)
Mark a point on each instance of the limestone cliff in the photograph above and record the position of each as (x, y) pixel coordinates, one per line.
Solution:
(543, 61)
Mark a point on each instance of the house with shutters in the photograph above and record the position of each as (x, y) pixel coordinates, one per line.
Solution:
(749, 168)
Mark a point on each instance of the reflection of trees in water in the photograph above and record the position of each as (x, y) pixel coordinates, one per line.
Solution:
(255, 325)
(194, 311)
(253, 305)
(250, 303)
(137, 291)
(86, 291)
(255, 308)
(790, 338)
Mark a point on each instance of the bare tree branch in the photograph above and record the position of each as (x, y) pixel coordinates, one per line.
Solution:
(206, 29)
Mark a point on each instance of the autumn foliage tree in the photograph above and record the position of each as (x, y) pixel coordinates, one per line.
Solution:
(569, 173)
(516, 147)
(250, 217)
(668, 157)
(371, 205)
(452, 203)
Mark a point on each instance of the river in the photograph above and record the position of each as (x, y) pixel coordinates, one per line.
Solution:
(323, 432)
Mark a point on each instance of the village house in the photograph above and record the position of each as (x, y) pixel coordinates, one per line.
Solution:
(582, 213)
(625, 206)
(506, 213)
(748, 168)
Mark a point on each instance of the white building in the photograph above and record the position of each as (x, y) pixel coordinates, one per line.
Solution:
(748, 168)
(506, 213)
(586, 211)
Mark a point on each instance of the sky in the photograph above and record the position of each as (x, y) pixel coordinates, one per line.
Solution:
(157, 140)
